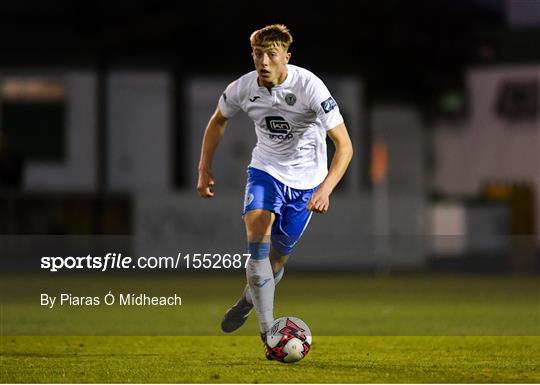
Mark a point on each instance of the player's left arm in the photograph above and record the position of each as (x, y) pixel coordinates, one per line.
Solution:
(320, 200)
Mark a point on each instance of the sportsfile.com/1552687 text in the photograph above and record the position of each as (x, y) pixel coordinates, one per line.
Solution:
(112, 261)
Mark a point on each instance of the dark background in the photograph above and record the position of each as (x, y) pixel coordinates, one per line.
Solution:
(405, 50)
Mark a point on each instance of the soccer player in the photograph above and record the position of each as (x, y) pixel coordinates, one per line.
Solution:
(288, 178)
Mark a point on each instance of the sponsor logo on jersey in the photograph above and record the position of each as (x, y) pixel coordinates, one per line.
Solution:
(290, 99)
(279, 128)
(254, 98)
(328, 105)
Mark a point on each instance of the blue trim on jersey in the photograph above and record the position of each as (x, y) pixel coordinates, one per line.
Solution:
(263, 191)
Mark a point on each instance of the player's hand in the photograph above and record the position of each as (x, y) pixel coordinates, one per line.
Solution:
(205, 184)
(319, 202)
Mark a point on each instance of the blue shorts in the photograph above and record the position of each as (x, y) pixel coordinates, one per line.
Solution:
(263, 191)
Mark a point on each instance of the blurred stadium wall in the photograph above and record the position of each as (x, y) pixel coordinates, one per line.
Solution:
(392, 224)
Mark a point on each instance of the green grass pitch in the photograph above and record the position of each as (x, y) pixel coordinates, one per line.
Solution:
(367, 329)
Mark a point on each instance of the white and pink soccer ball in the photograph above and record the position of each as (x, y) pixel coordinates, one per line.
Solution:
(290, 339)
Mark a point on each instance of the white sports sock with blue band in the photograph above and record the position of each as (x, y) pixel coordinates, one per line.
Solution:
(261, 283)
(277, 277)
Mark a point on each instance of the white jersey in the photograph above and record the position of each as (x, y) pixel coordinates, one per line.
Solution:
(290, 122)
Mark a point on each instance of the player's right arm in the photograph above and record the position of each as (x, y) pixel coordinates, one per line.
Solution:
(212, 136)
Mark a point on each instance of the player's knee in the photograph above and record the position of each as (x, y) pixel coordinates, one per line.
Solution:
(258, 224)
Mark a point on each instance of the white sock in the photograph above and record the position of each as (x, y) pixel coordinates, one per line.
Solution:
(261, 284)
(277, 277)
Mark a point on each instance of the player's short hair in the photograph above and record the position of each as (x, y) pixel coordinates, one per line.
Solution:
(271, 35)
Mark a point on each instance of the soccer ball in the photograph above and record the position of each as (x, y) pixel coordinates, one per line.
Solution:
(289, 338)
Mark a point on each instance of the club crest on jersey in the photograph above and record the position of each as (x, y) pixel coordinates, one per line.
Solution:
(290, 99)
(279, 128)
(328, 105)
